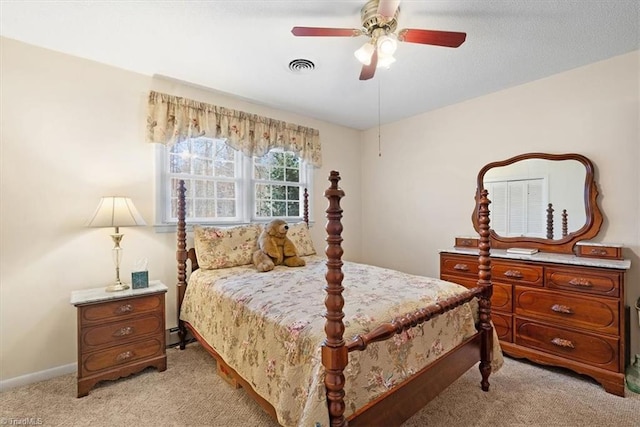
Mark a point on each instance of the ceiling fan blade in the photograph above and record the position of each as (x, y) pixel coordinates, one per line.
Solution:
(325, 32)
(387, 8)
(369, 70)
(437, 38)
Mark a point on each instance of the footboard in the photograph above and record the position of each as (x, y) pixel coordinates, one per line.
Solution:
(335, 351)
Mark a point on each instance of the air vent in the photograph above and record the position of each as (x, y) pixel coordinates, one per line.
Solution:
(301, 65)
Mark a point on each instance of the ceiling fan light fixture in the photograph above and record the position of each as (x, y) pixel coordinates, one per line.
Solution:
(379, 22)
(385, 61)
(364, 53)
(387, 44)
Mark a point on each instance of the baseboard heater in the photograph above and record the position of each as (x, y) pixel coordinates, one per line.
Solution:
(172, 338)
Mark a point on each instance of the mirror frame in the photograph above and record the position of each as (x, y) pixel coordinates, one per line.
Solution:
(564, 245)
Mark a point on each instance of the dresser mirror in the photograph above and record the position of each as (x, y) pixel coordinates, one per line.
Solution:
(542, 201)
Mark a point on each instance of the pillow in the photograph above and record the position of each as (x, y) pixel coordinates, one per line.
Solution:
(299, 235)
(218, 247)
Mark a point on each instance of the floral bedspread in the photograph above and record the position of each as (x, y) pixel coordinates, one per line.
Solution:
(269, 327)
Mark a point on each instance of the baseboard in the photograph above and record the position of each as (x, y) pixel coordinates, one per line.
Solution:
(35, 377)
(172, 341)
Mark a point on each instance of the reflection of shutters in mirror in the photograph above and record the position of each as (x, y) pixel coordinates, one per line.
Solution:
(536, 220)
(498, 197)
(517, 207)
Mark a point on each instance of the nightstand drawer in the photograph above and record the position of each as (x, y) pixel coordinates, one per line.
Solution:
(593, 350)
(96, 337)
(121, 308)
(121, 355)
(595, 314)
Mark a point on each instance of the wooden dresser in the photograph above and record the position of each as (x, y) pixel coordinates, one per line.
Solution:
(119, 333)
(554, 309)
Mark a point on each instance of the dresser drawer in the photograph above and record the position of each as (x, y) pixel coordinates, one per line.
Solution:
(610, 252)
(591, 349)
(591, 281)
(121, 308)
(502, 324)
(501, 298)
(96, 337)
(595, 314)
(459, 265)
(467, 282)
(121, 355)
(531, 275)
(467, 242)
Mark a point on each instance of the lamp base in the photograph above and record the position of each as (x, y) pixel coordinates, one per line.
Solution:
(117, 287)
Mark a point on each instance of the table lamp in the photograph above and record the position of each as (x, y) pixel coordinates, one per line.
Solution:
(116, 212)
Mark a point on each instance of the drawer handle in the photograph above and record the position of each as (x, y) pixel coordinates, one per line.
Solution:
(562, 343)
(124, 356)
(125, 308)
(561, 309)
(461, 267)
(127, 330)
(598, 251)
(513, 273)
(582, 283)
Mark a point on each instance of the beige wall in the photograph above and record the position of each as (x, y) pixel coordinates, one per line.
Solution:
(73, 131)
(430, 162)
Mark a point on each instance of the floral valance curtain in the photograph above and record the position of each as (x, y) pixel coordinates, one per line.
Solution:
(172, 119)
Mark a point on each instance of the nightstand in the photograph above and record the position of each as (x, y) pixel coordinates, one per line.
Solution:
(119, 333)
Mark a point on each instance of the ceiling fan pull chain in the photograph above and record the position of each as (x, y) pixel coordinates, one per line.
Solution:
(379, 143)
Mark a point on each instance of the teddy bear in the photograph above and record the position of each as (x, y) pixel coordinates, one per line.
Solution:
(275, 248)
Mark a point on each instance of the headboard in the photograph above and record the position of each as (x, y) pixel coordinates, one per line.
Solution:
(182, 254)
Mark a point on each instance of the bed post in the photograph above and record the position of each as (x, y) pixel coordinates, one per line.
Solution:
(181, 257)
(550, 221)
(484, 281)
(565, 229)
(334, 350)
(305, 218)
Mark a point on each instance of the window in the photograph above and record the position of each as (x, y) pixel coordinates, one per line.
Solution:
(277, 186)
(225, 186)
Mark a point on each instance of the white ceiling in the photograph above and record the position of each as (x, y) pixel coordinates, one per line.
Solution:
(244, 47)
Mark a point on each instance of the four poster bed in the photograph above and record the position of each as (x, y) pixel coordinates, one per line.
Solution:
(268, 332)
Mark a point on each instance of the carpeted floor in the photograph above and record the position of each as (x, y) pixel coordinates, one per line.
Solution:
(190, 393)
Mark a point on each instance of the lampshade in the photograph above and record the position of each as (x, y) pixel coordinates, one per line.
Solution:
(364, 53)
(387, 44)
(115, 211)
(385, 60)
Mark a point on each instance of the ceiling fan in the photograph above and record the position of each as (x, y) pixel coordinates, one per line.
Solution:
(379, 23)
